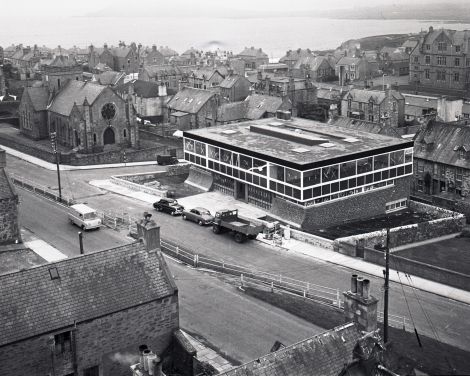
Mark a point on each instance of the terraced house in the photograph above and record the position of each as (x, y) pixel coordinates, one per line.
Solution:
(305, 172)
(442, 60)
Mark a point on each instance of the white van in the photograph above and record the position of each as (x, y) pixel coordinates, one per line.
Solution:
(84, 216)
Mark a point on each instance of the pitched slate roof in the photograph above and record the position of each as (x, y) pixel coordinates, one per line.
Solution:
(447, 138)
(188, 53)
(75, 92)
(232, 111)
(6, 188)
(457, 37)
(365, 126)
(110, 77)
(259, 104)
(154, 70)
(167, 52)
(326, 93)
(144, 89)
(63, 61)
(89, 286)
(38, 96)
(296, 55)
(204, 73)
(323, 355)
(253, 52)
(229, 81)
(121, 51)
(190, 100)
(362, 95)
(347, 60)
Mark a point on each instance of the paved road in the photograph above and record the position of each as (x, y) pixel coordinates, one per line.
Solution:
(230, 321)
(49, 222)
(446, 315)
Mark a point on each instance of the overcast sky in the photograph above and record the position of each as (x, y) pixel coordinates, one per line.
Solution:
(82, 7)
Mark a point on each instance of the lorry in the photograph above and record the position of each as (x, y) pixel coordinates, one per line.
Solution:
(226, 220)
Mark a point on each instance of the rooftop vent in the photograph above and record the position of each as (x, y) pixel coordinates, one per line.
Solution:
(229, 131)
(276, 123)
(327, 145)
(351, 139)
(300, 150)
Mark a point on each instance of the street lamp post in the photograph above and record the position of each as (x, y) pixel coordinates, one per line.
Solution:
(53, 136)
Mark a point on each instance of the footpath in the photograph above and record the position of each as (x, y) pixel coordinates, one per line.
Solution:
(215, 200)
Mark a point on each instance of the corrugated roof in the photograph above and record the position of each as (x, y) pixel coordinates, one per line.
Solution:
(324, 355)
(190, 100)
(89, 286)
(447, 139)
(75, 92)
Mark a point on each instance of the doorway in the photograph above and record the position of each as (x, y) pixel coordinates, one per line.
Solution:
(108, 136)
(240, 191)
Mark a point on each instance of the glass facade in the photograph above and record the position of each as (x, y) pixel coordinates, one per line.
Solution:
(309, 187)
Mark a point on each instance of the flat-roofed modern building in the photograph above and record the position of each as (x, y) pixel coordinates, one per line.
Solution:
(303, 171)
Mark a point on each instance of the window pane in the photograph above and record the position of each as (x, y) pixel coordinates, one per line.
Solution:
(235, 159)
(276, 172)
(348, 169)
(245, 162)
(316, 192)
(330, 173)
(380, 161)
(334, 187)
(213, 152)
(189, 145)
(260, 167)
(408, 155)
(364, 165)
(225, 156)
(312, 177)
(396, 158)
(325, 189)
(293, 177)
(200, 148)
(288, 190)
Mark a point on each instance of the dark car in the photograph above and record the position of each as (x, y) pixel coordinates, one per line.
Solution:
(169, 205)
(199, 215)
(166, 160)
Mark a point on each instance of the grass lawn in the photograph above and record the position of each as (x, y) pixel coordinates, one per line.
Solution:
(404, 353)
(452, 254)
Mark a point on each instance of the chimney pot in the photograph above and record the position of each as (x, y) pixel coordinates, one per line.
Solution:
(365, 288)
(146, 354)
(354, 283)
(360, 287)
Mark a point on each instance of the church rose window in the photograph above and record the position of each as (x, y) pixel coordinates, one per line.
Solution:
(108, 111)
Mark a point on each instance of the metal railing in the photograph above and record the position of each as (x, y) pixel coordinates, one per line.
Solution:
(42, 190)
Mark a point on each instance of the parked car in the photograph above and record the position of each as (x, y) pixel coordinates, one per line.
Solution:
(166, 160)
(84, 217)
(169, 205)
(199, 215)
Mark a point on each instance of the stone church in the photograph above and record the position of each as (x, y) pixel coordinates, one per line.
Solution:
(87, 117)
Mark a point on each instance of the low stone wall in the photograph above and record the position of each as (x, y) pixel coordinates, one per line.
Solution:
(448, 223)
(76, 159)
(420, 269)
(142, 178)
(312, 239)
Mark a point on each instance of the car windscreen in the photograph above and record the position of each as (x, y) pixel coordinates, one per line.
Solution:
(91, 215)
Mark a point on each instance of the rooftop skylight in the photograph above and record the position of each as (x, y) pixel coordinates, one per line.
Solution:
(327, 145)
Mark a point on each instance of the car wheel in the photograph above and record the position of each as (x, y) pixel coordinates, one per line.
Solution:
(184, 217)
(239, 238)
(200, 223)
(172, 213)
(158, 208)
(82, 227)
(216, 229)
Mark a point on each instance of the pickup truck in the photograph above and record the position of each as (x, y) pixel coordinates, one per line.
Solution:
(227, 220)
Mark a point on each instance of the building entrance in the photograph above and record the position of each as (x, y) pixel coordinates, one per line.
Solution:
(240, 191)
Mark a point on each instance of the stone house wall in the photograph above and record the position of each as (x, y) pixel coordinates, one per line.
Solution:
(110, 342)
(9, 228)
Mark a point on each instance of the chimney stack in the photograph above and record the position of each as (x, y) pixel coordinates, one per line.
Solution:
(359, 305)
(149, 232)
(3, 159)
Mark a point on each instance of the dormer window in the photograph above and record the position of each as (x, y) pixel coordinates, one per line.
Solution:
(461, 153)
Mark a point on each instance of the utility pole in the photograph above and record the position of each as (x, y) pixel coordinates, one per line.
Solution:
(54, 149)
(386, 286)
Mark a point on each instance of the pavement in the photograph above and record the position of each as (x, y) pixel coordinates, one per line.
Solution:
(216, 200)
(40, 247)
